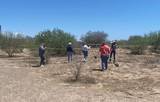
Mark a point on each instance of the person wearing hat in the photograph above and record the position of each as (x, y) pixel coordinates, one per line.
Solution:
(104, 53)
(42, 54)
(113, 51)
(69, 51)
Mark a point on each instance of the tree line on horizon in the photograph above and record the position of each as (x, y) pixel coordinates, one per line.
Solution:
(58, 39)
(149, 41)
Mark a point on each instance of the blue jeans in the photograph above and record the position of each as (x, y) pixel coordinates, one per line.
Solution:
(104, 62)
(69, 54)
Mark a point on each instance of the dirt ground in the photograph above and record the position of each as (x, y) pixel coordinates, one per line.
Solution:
(137, 79)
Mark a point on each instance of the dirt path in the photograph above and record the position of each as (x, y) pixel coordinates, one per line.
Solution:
(136, 80)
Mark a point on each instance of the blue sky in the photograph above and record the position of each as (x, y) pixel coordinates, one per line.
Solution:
(118, 18)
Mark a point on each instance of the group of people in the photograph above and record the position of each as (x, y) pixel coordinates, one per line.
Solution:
(70, 51)
(106, 53)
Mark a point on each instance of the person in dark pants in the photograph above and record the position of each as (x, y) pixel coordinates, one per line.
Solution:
(85, 49)
(69, 52)
(42, 55)
(113, 51)
(104, 52)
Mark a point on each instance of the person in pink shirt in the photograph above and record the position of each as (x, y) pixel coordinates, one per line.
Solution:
(104, 53)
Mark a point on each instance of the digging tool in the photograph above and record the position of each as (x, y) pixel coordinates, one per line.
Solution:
(116, 64)
(95, 57)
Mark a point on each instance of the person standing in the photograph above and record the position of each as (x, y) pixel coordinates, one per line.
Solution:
(69, 52)
(113, 51)
(104, 53)
(85, 49)
(42, 54)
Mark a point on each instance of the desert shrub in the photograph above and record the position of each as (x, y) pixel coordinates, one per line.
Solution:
(150, 39)
(156, 49)
(57, 39)
(29, 42)
(123, 44)
(136, 45)
(11, 43)
(96, 37)
(78, 71)
(156, 44)
(137, 49)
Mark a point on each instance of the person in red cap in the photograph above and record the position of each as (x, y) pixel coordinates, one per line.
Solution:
(104, 53)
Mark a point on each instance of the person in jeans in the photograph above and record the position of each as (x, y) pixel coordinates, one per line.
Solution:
(42, 55)
(104, 53)
(85, 49)
(113, 51)
(69, 51)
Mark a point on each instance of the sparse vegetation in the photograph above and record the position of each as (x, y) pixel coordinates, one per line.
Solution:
(138, 44)
(136, 74)
(96, 37)
(137, 49)
(56, 39)
(11, 43)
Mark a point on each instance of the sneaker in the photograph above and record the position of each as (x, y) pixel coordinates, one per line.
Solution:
(42, 66)
(84, 60)
(102, 70)
(105, 69)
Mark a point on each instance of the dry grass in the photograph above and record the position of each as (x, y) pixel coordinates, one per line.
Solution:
(137, 79)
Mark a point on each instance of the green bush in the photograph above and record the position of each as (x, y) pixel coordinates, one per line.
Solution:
(96, 37)
(137, 49)
(56, 41)
(156, 44)
(11, 43)
(138, 42)
(156, 49)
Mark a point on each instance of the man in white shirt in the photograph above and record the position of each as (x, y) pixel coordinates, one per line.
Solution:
(85, 49)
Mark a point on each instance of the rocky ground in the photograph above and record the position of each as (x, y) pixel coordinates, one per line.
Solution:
(137, 79)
